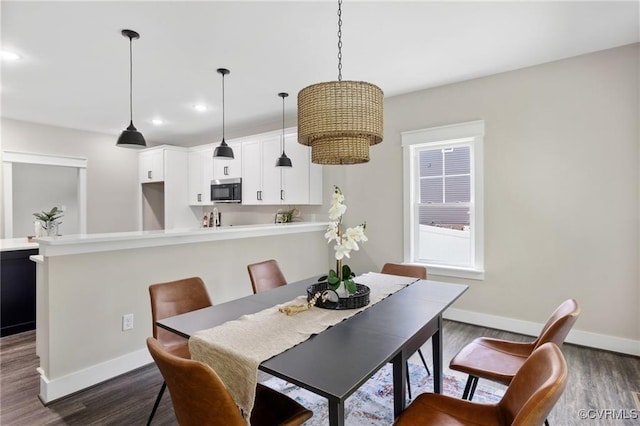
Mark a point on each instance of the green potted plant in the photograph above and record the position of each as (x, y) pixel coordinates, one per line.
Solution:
(49, 220)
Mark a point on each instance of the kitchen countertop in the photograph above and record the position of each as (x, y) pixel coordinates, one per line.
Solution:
(91, 243)
(12, 244)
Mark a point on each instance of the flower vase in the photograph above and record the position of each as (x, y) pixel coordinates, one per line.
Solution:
(342, 290)
(52, 229)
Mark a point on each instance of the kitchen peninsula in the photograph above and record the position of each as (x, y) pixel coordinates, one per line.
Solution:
(87, 283)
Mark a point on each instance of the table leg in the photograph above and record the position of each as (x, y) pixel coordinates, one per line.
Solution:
(336, 412)
(399, 383)
(436, 343)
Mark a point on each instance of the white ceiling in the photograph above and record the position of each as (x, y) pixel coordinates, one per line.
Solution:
(74, 70)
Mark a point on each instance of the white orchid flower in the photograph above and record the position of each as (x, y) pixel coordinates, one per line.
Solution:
(347, 241)
(341, 251)
(336, 211)
(332, 232)
(351, 244)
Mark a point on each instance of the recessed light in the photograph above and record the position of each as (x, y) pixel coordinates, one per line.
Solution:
(200, 107)
(9, 56)
(157, 121)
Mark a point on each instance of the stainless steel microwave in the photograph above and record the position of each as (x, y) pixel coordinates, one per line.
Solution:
(226, 190)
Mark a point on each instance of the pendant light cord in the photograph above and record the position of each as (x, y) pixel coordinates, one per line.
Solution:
(339, 40)
(130, 79)
(283, 125)
(222, 107)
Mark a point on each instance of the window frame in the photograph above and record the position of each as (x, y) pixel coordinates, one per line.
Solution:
(462, 134)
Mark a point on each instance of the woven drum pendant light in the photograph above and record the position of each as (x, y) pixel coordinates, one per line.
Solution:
(340, 119)
(131, 137)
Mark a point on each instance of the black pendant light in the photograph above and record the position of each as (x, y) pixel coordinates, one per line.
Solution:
(283, 160)
(223, 151)
(131, 137)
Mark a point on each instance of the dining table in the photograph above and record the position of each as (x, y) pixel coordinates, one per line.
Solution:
(337, 361)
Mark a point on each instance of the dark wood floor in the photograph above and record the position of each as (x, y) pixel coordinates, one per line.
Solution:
(598, 380)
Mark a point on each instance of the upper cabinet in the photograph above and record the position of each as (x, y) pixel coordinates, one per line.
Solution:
(163, 202)
(261, 179)
(264, 183)
(226, 169)
(151, 165)
(200, 176)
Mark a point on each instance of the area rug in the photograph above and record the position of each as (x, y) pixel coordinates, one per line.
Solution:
(372, 404)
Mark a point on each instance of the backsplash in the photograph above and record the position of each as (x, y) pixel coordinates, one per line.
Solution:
(238, 214)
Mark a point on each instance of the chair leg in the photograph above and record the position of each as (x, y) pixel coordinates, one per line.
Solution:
(408, 381)
(470, 387)
(424, 362)
(473, 388)
(155, 406)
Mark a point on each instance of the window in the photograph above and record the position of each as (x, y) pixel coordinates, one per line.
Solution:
(443, 218)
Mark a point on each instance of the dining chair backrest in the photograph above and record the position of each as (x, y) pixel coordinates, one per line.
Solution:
(535, 388)
(198, 395)
(559, 324)
(414, 271)
(265, 276)
(175, 298)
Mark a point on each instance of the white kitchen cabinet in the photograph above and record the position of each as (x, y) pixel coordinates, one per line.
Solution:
(151, 165)
(264, 183)
(164, 203)
(295, 179)
(226, 169)
(200, 174)
(261, 179)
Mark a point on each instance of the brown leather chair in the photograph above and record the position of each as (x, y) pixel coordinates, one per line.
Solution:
(528, 400)
(413, 271)
(499, 360)
(265, 276)
(200, 398)
(169, 299)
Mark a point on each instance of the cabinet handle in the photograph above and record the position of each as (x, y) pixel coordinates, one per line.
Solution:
(226, 170)
(199, 198)
(282, 194)
(259, 195)
(149, 174)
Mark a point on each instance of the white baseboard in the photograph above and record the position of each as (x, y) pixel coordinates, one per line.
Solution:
(583, 338)
(53, 389)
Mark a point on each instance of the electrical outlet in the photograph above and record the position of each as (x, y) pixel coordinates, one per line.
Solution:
(127, 322)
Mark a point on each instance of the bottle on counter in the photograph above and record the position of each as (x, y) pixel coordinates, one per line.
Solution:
(211, 223)
(205, 222)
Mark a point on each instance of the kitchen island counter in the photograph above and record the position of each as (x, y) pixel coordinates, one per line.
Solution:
(87, 283)
(12, 244)
(91, 243)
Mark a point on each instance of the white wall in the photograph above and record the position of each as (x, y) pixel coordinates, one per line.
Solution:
(39, 188)
(112, 172)
(79, 337)
(561, 188)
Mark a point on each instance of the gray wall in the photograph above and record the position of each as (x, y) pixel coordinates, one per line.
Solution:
(112, 173)
(39, 188)
(561, 172)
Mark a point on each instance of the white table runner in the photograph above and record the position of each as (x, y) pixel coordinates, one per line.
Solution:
(236, 348)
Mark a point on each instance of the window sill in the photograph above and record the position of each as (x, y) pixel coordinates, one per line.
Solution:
(453, 271)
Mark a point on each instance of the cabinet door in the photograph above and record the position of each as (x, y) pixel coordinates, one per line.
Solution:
(226, 169)
(271, 175)
(251, 172)
(151, 166)
(200, 176)
(295, 180)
